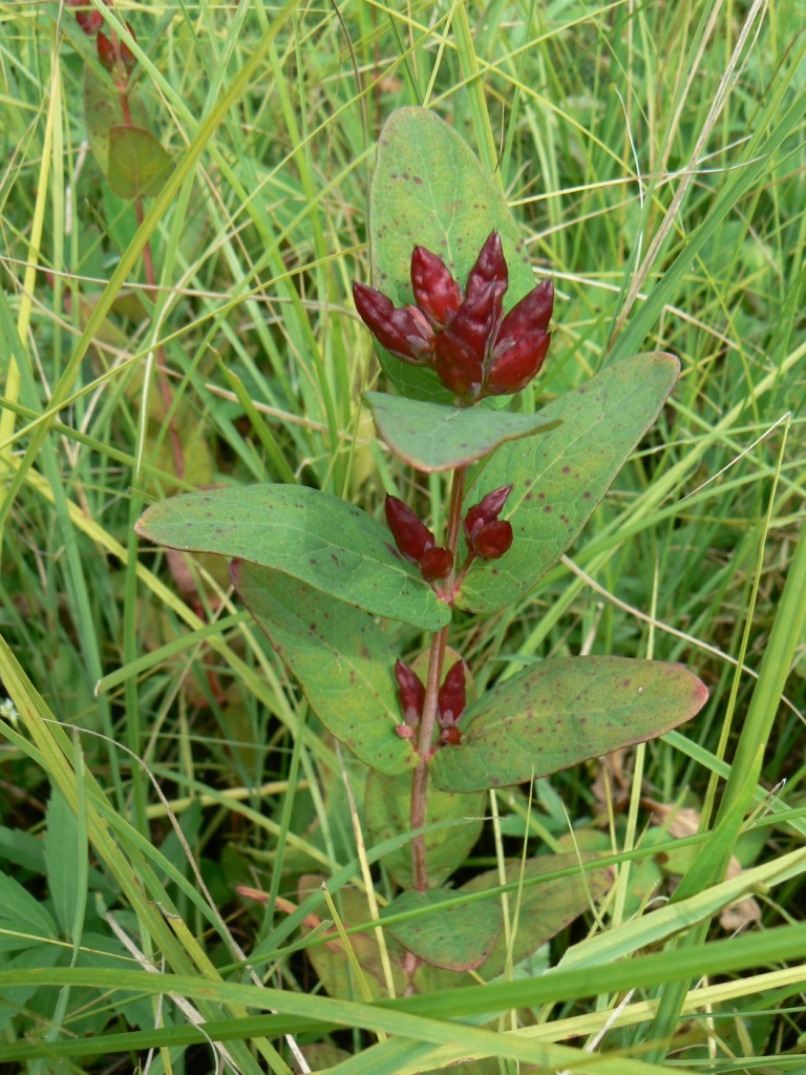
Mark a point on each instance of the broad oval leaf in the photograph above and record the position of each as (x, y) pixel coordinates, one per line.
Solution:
(544, 908)
(428, 189)
(387, 808)
(564, 711)
(433, 437)
(321, 540)
(458, 937)
(138, 165)
(560, 477)
(340, 657)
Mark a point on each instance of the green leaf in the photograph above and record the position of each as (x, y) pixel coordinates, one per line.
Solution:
(24, 922)
(560, 477)
(428, 189)
(560, 712)
(63, 847)
(340, 657)
(138, 165)
(432, 437)
(454, 938)
(543, 909)
(316, 538)
(387, 808)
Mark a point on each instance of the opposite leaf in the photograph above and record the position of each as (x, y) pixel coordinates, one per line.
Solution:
(543, 909)
(458, 937)
(560, 477)
(429, 190)
(138, 165)
(561, 712)
(340, 657)
(432, 437)
(316, 538)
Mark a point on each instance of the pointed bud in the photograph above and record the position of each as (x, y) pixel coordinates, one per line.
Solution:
(490, 270)
(532, 314)
(518, 365)
(451, 736)
(493, 540)
(411, 693)
(458, 368)
(486, 511)
(474, 321)
(404, 331)
(411, 536)
(106, 51)
(451, 699)
(436, 563)
(435, 290)
(90, 21)
(126, 54)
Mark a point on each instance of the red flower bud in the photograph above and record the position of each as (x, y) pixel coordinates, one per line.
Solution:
(89, 21)
(486, 511)
(106, 51)
(458, 368)
(451, 736)
(436, 563)
(517, 365)
(411, 536)
(451, 698)
(487, 535)
(411, 693)
(474, 321)
(126, 54)
(404, 331)
(493, 540)
(490, 269)
(435, 290)
(532, 314)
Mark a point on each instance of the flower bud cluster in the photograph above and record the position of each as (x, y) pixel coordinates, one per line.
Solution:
(110, 53)
(416, 542)
(451, 702)
(464, 337)
(486, 535)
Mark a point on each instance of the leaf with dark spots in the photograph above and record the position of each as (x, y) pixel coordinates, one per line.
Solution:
(592, 446)
(450, 212)
(319, 539)
(344, 666)
(503, 738)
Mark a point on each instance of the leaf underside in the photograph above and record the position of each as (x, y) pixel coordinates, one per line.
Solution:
(432, 437)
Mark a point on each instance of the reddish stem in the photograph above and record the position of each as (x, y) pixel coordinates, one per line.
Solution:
(436, 660)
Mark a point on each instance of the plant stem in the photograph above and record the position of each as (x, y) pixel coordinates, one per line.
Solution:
(436, 659)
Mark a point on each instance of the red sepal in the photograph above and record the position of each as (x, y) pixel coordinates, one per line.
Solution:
(411, 693)
(451, 698)
(435, 290)
(436, 563)
(411, 536)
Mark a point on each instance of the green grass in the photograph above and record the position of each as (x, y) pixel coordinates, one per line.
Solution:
(153, 752)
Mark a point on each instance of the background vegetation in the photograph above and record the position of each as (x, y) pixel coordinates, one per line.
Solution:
(153, 754)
